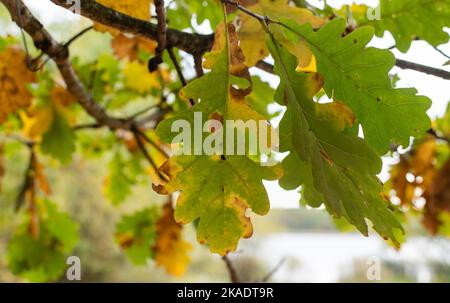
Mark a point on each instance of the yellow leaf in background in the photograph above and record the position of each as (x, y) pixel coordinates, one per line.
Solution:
(139, 9)
(424, 155)
(403, 189)
(171, 251)
(125, 47)
(60, 96)
(14, 77)
(41, 178)
(2, 166)
(253, 37)
(138, 77)
(37, 121)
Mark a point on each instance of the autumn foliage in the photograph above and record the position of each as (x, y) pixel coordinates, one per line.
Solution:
(340, 112)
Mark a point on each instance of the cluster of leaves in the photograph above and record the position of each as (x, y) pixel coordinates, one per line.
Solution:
(154, 234)
(421, 179)
(333, 149)
(39, 248)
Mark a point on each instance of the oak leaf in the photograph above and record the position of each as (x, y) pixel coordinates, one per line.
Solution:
(14, 78)
(171, 250)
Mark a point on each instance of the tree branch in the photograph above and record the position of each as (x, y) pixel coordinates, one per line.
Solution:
(231, 270)
(423, 69)
(433, 133)
(188, 42)
(267, 67)
(162, 36)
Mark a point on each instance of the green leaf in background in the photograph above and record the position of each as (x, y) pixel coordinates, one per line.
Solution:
(136, 234)
(44, 258)
(358, 76)
(118, 184)
(181, 12)
(59, 140)
(334, 168)
(400, 18)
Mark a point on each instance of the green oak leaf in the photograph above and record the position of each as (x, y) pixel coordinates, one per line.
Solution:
(261, 97)
(118, 184)
(400, 18)
(59, 140)
(136, 234)
(44, 258)
(221, 93)
(358, 76)
(218, 191)
(334, 168)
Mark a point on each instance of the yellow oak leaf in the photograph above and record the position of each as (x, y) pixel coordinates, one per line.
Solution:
(128, 47)
(424, 156)
(171, 251)
(253, 37)
(139, 9)
(138, 78)
(14, 77)
(404, 190)
(36, 121)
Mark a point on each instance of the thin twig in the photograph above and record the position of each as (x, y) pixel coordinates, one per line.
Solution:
(87, 126)
(144, 151)
(179, 71)
(177, 66)
(274, 270)
(436, 136)
(231, 270)
(152, 143)
(78, 35)
(142, 111)
(261, 18)
(28, 181)
(441, 52)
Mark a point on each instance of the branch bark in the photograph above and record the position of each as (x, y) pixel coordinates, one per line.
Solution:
(423, 69)
(267, 67)
(188, 42)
